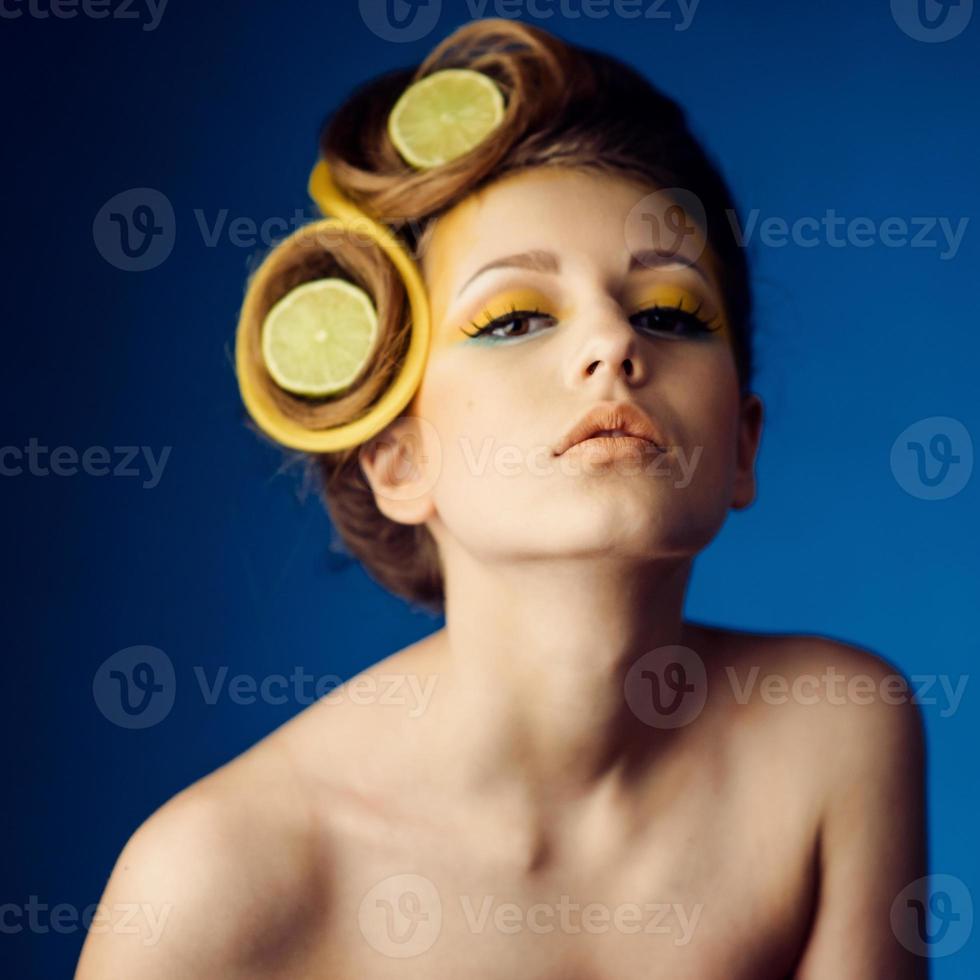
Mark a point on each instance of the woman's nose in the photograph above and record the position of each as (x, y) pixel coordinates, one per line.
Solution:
(607, 344)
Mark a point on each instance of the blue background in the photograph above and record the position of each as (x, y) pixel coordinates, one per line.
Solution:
(807, 107)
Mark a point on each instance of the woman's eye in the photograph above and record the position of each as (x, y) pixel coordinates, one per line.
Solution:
(512, 325)
(671, 320)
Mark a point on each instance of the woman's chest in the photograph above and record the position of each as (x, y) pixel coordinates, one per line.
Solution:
(716, 888)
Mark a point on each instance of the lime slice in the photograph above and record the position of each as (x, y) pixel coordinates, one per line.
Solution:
(318, 338)
(444, 115)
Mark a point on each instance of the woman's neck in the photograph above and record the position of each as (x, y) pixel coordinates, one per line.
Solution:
(535, 656)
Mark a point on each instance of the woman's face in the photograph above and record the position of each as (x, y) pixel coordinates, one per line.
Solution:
(495, 406)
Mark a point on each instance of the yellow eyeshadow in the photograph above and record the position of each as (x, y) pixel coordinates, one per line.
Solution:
(675, 296)
(663, 294)
(515, 299)
(518, 299)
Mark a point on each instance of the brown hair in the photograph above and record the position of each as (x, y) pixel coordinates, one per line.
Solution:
(565, 106)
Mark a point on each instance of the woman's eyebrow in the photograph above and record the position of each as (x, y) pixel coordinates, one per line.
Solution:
(654, 258)
(542, 261)
(536, 259)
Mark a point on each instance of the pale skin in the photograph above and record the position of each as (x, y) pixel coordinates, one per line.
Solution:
(550, 831)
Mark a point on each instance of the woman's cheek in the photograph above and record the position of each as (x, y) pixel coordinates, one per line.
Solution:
(704, 401)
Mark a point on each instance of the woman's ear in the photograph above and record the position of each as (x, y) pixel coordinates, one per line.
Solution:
(749, 435)
(401, 465)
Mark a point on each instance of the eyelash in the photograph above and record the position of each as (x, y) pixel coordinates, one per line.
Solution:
(694, 325)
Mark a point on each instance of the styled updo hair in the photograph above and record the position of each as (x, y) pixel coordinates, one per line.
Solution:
(565, 106)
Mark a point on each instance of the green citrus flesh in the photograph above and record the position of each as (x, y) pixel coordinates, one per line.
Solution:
(318, 338)
(444, 115)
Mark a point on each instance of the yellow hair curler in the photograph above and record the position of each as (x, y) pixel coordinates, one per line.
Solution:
(345, 215)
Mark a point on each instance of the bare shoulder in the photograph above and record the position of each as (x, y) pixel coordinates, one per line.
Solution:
(835, 732)
(847, 707)
(196, 891)
(806, 660)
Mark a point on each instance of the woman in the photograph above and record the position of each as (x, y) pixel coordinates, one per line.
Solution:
(592, 786)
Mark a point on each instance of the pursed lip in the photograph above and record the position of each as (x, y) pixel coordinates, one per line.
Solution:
(607, 416)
